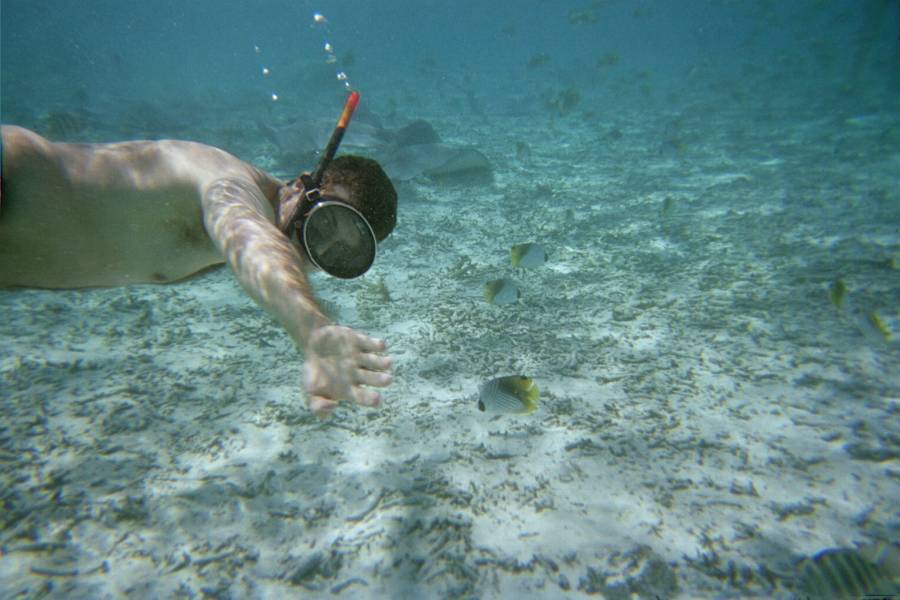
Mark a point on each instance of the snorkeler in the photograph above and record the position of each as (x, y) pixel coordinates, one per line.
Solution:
(82, 215)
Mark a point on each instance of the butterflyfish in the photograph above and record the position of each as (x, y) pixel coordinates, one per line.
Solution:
(512, 394)
(501, 291)
(843, 573)
(527, 255)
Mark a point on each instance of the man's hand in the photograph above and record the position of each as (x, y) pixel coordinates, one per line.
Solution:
(339, 362)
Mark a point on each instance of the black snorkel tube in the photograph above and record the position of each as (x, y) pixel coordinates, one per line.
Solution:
(312, 182)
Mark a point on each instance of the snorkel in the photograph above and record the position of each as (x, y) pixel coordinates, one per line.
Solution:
(336, 237)
(312, 182)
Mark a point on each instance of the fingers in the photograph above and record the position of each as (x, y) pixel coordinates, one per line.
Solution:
(322, 407)
(372, 378)
(365, 343)
(374, 362)
(366, 397)
(372, 366)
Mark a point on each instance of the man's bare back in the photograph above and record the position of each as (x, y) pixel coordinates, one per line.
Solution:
(77, 215)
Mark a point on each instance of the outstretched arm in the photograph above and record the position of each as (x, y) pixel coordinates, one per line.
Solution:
(339, 361)
(239, 220)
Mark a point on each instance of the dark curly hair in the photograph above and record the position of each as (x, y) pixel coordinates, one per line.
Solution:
(371, 191)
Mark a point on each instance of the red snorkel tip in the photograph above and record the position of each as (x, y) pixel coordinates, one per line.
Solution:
(331, 149)
(349, 107)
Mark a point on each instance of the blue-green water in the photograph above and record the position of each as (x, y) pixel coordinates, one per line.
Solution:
(701, 175)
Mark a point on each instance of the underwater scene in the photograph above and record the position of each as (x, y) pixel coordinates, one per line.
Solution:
(642, 300)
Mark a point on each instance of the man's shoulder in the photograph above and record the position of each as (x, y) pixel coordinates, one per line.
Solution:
(18, 139)
(202, 161)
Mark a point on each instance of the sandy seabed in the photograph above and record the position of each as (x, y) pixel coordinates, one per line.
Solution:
(707, 418)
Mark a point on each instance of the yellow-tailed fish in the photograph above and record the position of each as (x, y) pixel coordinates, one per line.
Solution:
(501, 291)
(513, 394)
(837, 292)
(838, 573)
(527, 255)
(879, 325)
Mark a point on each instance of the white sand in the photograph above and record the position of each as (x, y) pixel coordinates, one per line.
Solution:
(707, 416)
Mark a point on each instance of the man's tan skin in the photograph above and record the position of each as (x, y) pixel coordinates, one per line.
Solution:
(79, 215)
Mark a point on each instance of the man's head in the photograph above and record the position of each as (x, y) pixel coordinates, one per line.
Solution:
(355, 202)
(366, 187)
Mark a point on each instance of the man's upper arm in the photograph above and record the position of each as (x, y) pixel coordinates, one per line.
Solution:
(230, 202)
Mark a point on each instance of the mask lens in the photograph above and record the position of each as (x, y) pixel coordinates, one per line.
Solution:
(339, 240)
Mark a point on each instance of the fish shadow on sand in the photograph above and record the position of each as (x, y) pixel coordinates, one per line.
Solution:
(439, 163)
(412, 152)
(298, 143)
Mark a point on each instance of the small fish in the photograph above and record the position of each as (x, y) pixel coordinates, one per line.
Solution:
(501, 291)
(523, 152)
(667, 205)
(527, 255)
(842, 573)
(871, 324)
(582, 17)
(879, 325)
(513, 394)
(837, 292)
(608, 60)
(672, 148)
(538, 60)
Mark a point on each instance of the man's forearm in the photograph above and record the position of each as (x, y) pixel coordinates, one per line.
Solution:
(264, 261)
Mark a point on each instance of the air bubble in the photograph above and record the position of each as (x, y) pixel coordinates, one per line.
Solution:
(330, 56)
